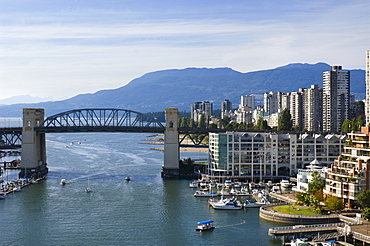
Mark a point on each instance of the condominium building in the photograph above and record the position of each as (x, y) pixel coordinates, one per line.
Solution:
(367, 77)
(261, 154)
(199, 108)
(336, 98)
(248, 100)
(272, 102)
(296, 108)
(312, 110)
(226, 108)
(350, 173)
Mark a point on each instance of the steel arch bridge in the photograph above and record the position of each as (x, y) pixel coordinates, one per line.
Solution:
(101, 120)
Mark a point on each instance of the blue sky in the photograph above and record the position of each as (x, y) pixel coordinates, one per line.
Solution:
(69, 47)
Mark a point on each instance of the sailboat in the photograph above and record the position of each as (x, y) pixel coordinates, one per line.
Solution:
(88, 190)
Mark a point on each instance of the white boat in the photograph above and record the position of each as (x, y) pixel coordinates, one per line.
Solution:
(228, 183)
(88, 189)
(285, 183)
(253, 204)
(206, 193)
(205, 225)
(226, 204)
(16, 189)
(193, 184)
(298, 242)
(275, 188)
(62, 182)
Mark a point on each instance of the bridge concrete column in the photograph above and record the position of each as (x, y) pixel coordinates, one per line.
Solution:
(171, 168)
(33, 156)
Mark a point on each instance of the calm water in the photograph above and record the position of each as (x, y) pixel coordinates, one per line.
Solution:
(145, 211)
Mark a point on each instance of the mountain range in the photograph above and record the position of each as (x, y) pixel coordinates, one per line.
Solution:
(180, 88)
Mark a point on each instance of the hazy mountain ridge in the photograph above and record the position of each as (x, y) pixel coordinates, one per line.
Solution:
(179, 88)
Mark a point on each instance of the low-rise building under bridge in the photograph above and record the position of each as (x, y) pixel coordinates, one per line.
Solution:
(31, 136)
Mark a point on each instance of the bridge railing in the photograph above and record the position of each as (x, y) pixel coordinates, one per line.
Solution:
(274, 230)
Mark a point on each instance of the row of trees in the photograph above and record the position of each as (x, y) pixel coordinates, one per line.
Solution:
(285, 122)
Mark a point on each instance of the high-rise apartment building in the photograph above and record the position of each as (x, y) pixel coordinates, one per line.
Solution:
(248, 100)
(336, 98)
(226, 108)
(296, 108)
(272, 102)
(367, 100)
(312, 109)
(199, 108)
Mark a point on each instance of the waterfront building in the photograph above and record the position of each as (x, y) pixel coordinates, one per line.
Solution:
(261, 154)
(350, 173)
(336, 98)
(367, 78)
(304, 176)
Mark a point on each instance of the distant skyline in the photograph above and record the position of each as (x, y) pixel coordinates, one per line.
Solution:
(60, 49)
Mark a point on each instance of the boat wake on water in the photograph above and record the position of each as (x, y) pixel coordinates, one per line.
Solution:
(241, 223)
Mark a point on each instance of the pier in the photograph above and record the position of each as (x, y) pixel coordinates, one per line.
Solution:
(299, 229)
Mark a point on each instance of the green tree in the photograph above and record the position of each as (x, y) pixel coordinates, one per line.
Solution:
(261, 124)
(191, 123)
(346, 126)
(202, 121)
(285, 121)
(303, 198)
(183, 122)
(224, 121)
(334, 203)
(317, 183)
(366, 214)
(364, 198)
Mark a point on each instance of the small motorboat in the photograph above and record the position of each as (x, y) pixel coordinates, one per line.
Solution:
(127, 179)
(205, 225)
(62, 182)
(226, 204)
(228, 183)
(253, 204)
(88, 190)
(206, 193)
(193, 184)
(285, 183)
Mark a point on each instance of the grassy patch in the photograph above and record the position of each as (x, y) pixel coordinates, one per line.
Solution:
(298, 210)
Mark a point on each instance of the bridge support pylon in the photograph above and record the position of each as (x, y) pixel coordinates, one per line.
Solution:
(171, 167)
(33, 156)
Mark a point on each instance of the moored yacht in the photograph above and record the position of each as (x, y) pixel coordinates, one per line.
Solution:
(285, 183)
(193, 184)
(206, 193)
(226, 204)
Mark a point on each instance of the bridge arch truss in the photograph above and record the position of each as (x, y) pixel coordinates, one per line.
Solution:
(111, 120)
